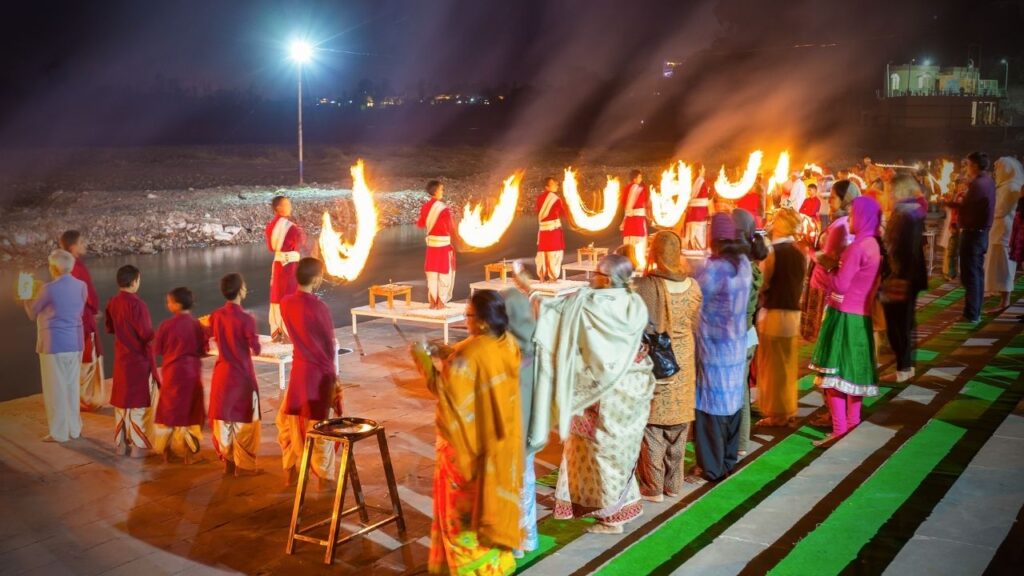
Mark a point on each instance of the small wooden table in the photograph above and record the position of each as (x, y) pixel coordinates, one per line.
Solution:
(389, 291)
(501, 268)
(591, 253)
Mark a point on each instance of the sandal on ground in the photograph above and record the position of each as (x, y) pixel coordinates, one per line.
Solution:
(601, 528)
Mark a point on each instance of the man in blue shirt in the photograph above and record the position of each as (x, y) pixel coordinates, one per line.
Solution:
(57, 310)
(975, 219)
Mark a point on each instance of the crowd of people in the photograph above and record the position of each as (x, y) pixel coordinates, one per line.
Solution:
(625, 371)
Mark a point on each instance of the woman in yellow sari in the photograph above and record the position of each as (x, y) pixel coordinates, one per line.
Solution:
(479, 467)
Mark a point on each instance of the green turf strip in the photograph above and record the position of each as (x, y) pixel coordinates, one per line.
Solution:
(676, 533)
(836, 542)
(921, 355)
(1011, 351)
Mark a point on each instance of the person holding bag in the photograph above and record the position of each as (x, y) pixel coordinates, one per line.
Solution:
(673, 302)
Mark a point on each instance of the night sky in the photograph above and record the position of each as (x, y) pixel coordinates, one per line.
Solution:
(69, 57)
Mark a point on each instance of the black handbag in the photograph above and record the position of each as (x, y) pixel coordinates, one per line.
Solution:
(659, 349)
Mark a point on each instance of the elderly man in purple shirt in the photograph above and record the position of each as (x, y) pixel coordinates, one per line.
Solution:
(975, 219)
(57, 310)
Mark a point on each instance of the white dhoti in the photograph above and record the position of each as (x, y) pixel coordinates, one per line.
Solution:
(60, 374)
(238, 442)
(94, 393)
(696, 236)
(133, 427)
(440, 286)
(181, 440)
(291, 435)
(549, 265)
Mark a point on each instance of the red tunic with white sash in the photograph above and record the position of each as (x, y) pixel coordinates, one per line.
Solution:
(697, 209)
(285, 240)
(182, 343)
(634, 204)
(234, 378)
(92, 307)
(127, 318)
(436, 217)
(311, 384)
(549, 218)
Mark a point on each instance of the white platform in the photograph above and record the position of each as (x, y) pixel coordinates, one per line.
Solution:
(280, 354)
(417, 312)
(553, 289)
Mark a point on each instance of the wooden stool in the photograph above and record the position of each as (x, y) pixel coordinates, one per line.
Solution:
(390, 291)
(345, 431)
(502, 268)
(590, 252)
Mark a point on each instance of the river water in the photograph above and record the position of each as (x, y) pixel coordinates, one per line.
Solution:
(397, 256)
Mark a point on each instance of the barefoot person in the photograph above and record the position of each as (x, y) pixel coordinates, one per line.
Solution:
(181, 342)
(436, 218)
(550, 241)
(634, 219)
(92, 395)
(57, 311)
(285, 240)
(234, 392)
(127, 318)
(312, 393)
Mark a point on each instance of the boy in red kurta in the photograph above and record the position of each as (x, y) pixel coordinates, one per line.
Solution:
(312, 394)
(439, 264)
(634, 219)
(234, 392)
(182, 343)
(695, 233)
(92, 390)
(550, 241)
(285, 239)
(127, 318)
(812, 204)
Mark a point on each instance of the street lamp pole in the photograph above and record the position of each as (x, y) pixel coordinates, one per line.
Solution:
(300, 125)
(1006, 78)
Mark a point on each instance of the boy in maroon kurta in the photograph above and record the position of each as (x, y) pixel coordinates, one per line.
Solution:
(550, 241)
(285, 240)
(234, 393)
(92, 393)
(439, 263)
(312, 393)
(127, 318)
(181, 342)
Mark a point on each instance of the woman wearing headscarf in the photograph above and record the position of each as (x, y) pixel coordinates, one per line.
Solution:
(757, 251)
(673, 301)
(479, 466)
(589, 360)
(904, 274)
(844, 356)
(831, 245)
(999, 267)
(721, 352)
(778, 323)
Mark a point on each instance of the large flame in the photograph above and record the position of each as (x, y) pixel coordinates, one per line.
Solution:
(728, 190)
(668, 204)
(946, 177)
(581, 216)
(477, 233)
(781, 173)
(344, 260)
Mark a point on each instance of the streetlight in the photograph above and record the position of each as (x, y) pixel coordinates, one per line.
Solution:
(1006, 78)
(300, 52)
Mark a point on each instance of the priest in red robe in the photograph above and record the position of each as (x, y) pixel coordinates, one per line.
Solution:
(182, 343)
(436, 218)
(234, 392)
(134, 383)
(695, 233)
(285, 239)
(313, 393)
(93, 391)
(635, 200)
(550, 241)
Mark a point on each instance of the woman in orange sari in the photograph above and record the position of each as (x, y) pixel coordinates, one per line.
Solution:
(479, 467)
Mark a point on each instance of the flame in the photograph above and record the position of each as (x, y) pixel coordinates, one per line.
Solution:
(668, 205)
(581, 216)
(480, 234)
(26, 285)
(946, 177)
(781, 173)
(732, 191)
(814, 168)
(344, 260)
